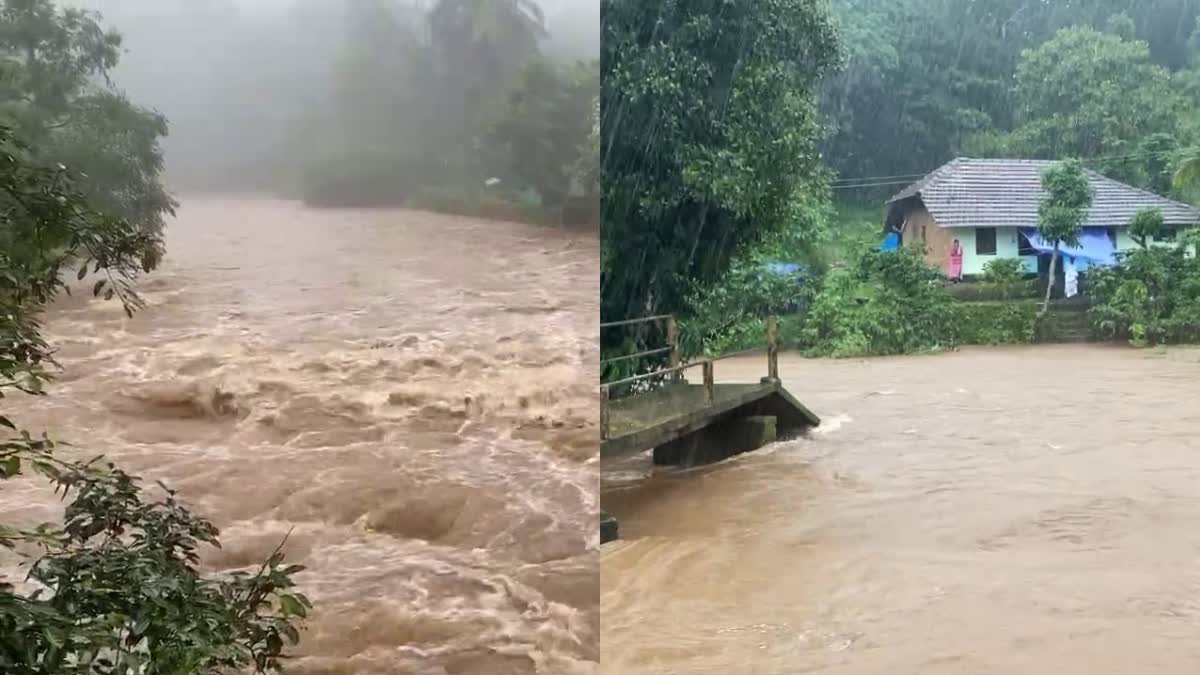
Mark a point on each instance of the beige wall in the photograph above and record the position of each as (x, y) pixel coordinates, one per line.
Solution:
(922, 232)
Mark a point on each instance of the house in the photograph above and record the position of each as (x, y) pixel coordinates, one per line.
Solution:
(991, 207)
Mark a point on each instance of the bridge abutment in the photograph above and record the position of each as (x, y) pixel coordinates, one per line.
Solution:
(608, 527)
(718, 441)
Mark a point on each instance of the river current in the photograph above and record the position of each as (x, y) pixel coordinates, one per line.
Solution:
(411, 395)
(994, 510)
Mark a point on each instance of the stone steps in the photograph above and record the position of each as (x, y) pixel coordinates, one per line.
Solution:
(1064, 324)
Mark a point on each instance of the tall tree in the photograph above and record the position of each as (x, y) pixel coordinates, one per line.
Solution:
(57, 93)
(1063, 207)
(538, 139)
(709, 140)
(1146, 225)
(1089, 94)
(927, 80)
(481, 46)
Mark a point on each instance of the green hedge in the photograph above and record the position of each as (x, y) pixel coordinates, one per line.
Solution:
(971, 323)
(996, 323)
(979, 291)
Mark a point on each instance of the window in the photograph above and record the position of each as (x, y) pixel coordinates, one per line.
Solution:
(922, 234)
(1167, 234)
(1023, 245)
(985, 241)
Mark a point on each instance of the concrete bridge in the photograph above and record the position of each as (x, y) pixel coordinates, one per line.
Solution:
(690, 424)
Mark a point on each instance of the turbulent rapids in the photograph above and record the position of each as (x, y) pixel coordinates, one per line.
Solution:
(1037, 514)
(411, 395)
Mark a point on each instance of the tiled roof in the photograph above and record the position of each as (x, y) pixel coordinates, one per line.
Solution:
(1005, 192)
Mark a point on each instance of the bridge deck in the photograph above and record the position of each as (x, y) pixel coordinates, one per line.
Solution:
(641, 422)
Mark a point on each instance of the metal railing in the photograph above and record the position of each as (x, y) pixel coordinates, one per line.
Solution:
(672, 346)
(676, 368)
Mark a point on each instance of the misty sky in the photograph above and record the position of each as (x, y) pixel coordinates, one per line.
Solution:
(238, 73)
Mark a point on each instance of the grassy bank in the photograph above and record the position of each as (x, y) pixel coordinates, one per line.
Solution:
(381, 185)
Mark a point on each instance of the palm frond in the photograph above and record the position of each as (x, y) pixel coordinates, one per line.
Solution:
(1187, 175)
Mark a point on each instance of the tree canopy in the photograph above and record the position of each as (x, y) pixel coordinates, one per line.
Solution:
(1146, 225)
(435, 103)
(710, 137)
(1113, 83)
(1062, 209)
(55, 91)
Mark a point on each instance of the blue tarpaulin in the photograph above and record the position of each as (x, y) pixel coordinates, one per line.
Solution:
(891, 243)
(1095, 246)
(784, 268)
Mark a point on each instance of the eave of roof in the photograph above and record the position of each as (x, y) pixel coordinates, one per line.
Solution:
(1005, 193)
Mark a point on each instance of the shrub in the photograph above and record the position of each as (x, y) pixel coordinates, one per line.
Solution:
(996, 323)
(1004, 275)
(730, 315)
(885, 303)
(1151, 296)
(1146, 225)
(984, 292)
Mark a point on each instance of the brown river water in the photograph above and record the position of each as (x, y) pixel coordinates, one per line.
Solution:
(1031, 510)
(414, 395)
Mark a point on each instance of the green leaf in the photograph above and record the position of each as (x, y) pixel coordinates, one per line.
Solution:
(292, 606)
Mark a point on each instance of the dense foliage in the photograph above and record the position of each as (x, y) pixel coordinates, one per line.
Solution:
(451, 108)
(1113, 82)
(1004, 276)
(731, 315)
(709, 139)
(55, 92)
(541, 138)
(115, 588)
(1086, 94)
(1152, 296)
(1146, 226)
(885, 303)
(996, 323)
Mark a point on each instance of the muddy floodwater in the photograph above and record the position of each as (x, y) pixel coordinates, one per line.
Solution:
(1028, 510)
(413, 395)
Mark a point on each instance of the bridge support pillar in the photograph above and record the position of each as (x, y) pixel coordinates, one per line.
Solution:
(608, 527)
(719, 441)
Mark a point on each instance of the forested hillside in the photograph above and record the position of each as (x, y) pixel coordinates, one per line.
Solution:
(1112, 82)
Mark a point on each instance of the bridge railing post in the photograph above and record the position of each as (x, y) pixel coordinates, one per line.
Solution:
(709, 386)
(772, 348)
(673, 344)
(604, 413)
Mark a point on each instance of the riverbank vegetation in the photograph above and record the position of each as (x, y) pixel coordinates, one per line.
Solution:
(57, 94)
(1152, 296)
(898, 88)
(878, 303)
(709, 140)
(116, 586)
(456, 109)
